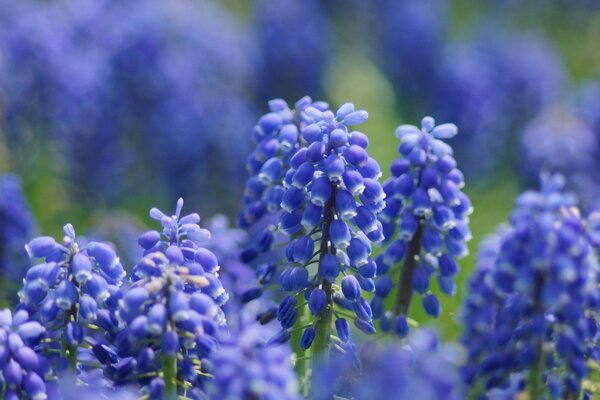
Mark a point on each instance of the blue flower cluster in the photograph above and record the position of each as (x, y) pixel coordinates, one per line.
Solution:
(533, 299)
(410, 46)
(67, 290)
(293, 61)
(22, 369)
(169, 318)
(17, 226)
(419, 369)
(490, 87)
(426, 220)
(277, 138)
(330, 201)
(102, 77)
(245, 368)
(561, 141)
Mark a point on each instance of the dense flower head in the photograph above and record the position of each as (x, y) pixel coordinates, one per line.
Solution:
(16, 227)
(22, 369)
(70, 289)
(490, 87)
(410, 43)
(244, 367)
(560, 141)
(534, 296)
(277, 138)
(63, 71)
(425, 220)
(330, 201)
(172, 308)
(293, 61)
(419, 369)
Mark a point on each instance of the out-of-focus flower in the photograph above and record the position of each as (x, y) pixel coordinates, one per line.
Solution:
(170, 316)
(104, 77)
(17, 225)
(425, 220)
(22, 369)
(532, 300)
(420, 369)
(295, 43)
(120, 229)
(560, 141)
(409, 48)
(244, 367)
(489, 87)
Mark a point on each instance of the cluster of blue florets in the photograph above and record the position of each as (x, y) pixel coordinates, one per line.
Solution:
(534, 299)
(425, 220)
(530, 317)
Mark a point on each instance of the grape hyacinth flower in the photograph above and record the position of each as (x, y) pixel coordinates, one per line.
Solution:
(419, 369)
(277, 137)
(491, 87)
(22, 369)
(330, 200)
(244, 367)
(426, 222)
(560, 141)
(533, 300)
(16, 227)
(293, 61)
(63, 72)
(171, 313)
(66, 291)
(410, 46)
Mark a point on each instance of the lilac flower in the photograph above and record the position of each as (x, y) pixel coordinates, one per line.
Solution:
(16, 227)
(170, 315)
(425, 220)
(420, 369)
(68, 288)
(293, 61)
(245, 367)
(560, 141)
(490, 87)
(533, 298)
(22, 369)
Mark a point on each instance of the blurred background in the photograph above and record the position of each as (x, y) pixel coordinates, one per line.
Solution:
(109, 107)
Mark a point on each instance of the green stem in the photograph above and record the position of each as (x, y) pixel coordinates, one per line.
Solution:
(169, 371)
(534, 379)
(404, 294)
(323, 324)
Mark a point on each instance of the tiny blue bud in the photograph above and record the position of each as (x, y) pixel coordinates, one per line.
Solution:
(356, 118)
(343, 329)
(401, 326)
(329, 267)
(339, 234)
(41, 246)
(307, 338)
(170, 343)
(431, 304)
(317, 301)
(149, 239)
(350, 287)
